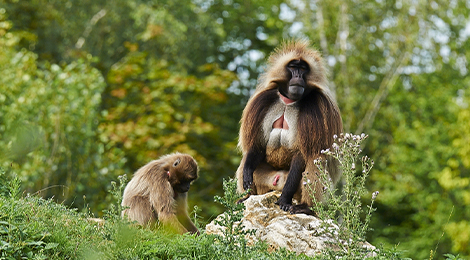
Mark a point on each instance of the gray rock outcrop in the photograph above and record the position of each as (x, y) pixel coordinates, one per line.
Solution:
(299, 233)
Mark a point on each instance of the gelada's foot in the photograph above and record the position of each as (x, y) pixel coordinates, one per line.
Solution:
(302, 209)
(284, 205)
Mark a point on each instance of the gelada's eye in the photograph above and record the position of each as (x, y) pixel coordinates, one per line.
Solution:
(176, 162)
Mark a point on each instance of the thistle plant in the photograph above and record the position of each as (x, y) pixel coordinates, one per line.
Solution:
(345, 210)
(233, 234)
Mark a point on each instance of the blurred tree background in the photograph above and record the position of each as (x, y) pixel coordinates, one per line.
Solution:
(91, 90)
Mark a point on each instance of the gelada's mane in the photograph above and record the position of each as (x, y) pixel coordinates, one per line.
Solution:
(319, 117)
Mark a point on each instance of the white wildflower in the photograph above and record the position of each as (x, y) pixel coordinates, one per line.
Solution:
(374, 194)
(335, 146)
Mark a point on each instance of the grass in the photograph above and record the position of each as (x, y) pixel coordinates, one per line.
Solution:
(35, 228)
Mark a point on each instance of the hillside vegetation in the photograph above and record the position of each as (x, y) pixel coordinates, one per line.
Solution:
(94, 89)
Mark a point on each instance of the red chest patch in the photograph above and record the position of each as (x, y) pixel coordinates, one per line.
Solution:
(280, 123)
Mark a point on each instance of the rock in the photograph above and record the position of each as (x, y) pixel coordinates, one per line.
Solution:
(299, 232)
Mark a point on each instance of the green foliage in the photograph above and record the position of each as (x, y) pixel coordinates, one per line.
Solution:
(3, 188)
(452, 257)
(425, 175)
(26, 226)
(49, 125)
(398, 69)
(115, 209)
(233, 233)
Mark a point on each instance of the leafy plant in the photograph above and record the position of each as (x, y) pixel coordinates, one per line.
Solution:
(116, 191)
(233, 233)
(18, 238)
(349, 237)
(452, 257)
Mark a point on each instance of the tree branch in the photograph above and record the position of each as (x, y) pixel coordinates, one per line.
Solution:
(89, 27)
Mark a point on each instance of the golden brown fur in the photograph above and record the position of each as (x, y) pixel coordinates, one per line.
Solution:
(272, 179)
(317, 119)
(158, 191)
